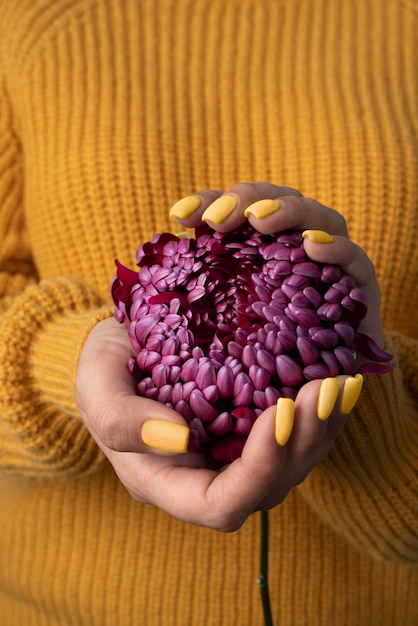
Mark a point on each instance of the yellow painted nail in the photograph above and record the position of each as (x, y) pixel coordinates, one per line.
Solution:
(218, 211)
(327, 397)
(318, 236)
(165, 436)
(351, 393)
(262, 208)
(185, 207)
(184, 235)
(284, 420)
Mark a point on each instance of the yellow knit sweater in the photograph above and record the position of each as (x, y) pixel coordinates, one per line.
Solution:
(110, 111)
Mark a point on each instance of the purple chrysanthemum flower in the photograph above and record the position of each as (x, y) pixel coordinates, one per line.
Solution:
(224, 324)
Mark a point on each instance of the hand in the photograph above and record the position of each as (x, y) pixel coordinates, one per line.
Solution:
(182, 484)
(271, 209)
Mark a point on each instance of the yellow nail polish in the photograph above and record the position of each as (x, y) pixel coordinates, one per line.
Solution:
(218, 211)
(185, 207)
(327, 397)
(183, 235)
(165, 436)
(351, 393)
(262, 208)
(284, 420)
(318, 236)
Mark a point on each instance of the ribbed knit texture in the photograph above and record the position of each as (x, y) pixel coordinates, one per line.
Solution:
(109, 113)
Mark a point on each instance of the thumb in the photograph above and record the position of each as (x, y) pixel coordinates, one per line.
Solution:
(128, 423)
(116, 417)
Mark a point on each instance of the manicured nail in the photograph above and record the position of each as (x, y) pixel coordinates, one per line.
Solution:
(327, 397)
(351, 393)
(283, 420)
(184, 235)
(318, 236)
(262, 208)
(165, 436)
(218, 211)
(185, 207)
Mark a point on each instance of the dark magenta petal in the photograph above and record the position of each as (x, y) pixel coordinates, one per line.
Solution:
(221, 425)
(245, 419)
(126, 275)
(303, 316)
(376, 368)
(331, 361)
(368, 348)
(201, 407)
(312, 270)
(346, 358)
(289, 372)
(227, 449)
(308, 350)
(318, 370)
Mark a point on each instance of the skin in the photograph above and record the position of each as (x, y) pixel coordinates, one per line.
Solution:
(183, 485)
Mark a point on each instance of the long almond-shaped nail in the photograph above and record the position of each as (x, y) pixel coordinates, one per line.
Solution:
(185, 207)
(220, 209)
(327, 397)
(283, 420)
(262, 208)
(318, 236)
(165, 436)
(351, 392)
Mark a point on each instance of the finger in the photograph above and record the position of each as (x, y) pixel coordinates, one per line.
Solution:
(302, 454)
(343, 252)
(224, 211)
(117, 418)
(287, 212)
(318, 421)
(222, 500)
(128, 423)
(354, 262)
(189, 210)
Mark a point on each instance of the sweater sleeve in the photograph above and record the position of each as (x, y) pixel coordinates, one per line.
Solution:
(42, 328)
(367, 487)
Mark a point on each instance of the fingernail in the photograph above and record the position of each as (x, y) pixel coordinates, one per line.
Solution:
(351, 392)
(219, 210)
(262, 208)
(283, 420)
(185, 207)
(327, 397)
(165, 436)
(318, 236)
(183, 235)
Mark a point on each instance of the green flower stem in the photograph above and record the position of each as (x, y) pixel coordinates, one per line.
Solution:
(262, 581)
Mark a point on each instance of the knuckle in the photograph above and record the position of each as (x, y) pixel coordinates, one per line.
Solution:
(244, 189)
(223, 518)
(341, 221)
(109, 426)
(228, 522)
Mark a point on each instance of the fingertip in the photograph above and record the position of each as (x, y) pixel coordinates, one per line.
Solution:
(262, 209)
(219, 210)
(327, 397)
(318, 236)
(284, 418)
(165, 436)
(351, 393)
(185, 207)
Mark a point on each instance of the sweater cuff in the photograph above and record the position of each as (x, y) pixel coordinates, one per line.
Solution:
(366, 487)
(41, 337)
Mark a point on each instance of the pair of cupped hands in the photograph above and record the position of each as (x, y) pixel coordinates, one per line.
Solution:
(146, 441)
